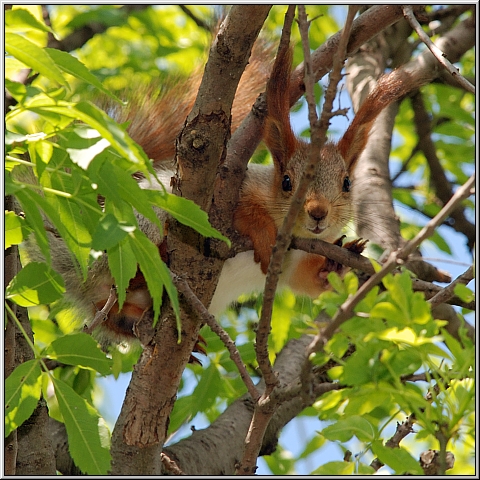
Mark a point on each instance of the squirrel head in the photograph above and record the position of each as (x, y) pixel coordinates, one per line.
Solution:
(328, 201)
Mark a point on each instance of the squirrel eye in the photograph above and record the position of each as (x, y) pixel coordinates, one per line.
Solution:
(286, 184)
(346, 185)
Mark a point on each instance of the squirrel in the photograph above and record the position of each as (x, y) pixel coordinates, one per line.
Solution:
(265, 195)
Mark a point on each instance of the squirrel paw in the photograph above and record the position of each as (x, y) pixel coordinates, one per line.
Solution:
(354, 246)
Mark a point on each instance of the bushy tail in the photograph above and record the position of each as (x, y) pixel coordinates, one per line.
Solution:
(156, 117)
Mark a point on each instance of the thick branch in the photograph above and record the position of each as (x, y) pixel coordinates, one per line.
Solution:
(141, 429)
(442, 186)
(225, 436)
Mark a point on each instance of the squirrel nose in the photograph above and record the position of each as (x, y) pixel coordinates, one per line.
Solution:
(318, 213)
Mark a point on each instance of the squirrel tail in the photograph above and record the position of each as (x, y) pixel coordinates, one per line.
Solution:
(156, 117)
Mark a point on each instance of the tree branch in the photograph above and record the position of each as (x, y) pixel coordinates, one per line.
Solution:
(208, 319)
(265, 405)
(246, 139)
(447, 293)
(346, 310)
(436, 52)
(141, 429)
(442, 186)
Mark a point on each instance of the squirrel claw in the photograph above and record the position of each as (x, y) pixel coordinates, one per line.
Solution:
(194, 360)
(356, 246)
(198, 348)
(339, 241)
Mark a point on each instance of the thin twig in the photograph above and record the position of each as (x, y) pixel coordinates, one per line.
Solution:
(405, 428)
(184, 288)
(199, 22)
(398, 257)
(448, 292)
(437, 53)
(102, 314)
(170, 465)
(274, 268)
(265, 405)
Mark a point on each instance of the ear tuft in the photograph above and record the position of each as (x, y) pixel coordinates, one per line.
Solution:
(278, 133)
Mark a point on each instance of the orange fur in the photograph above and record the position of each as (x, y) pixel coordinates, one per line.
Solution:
(307, 277)
(278, 135)
(266, 193)
(253, 220)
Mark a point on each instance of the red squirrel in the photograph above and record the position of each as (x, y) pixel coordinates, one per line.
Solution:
(264, 198)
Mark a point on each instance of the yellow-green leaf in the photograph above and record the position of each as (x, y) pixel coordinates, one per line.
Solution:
(34, 57)
(23, 388)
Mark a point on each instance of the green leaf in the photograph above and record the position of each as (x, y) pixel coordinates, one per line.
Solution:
(336, 282)
(80, 349)
(111, 131)
(367, 399)
(335, 468)
(23, 389)
(83, 156)
(109, 232)
(35, 284)
(440, 242)
(86, 445)
(247, 352)
(464, 357)
(67, 215)
(21, 18)
(388, 311)
(182, 413)
(312, 446)
(207, 390)
(100, 121)
(69, 64)
(117, 184)
(464, 293)
(35, 220)
(155, 272)
(398, 459)
(15, 229)
(364, 366)
(34, 57)
(123, 266)
(283, 311)
(186, 212)
(346, 428)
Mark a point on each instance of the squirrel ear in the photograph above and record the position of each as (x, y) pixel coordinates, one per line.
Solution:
(280, 140)
(278, 134)
(354, 142)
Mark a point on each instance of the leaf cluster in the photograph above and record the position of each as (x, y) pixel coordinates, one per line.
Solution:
(70, 165)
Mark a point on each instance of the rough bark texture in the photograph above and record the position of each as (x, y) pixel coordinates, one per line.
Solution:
(141, 429)
(372, 178)
(217, 449)
(28, 449)
(207, 172)
(35, 455)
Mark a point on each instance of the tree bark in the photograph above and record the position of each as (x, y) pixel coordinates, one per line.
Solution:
(217, 449)
(141, 429)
